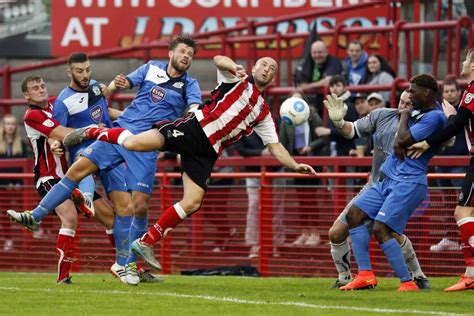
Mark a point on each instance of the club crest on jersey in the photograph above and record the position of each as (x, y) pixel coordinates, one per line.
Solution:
(469, 98)
(48, 123)
(96, 113)
(96, 90)
(157, 94)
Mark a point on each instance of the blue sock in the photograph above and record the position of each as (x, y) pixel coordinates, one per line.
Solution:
(137, 229)
(394, 254)
(360, 244)
(87, 186)
(121, 234)
(57, 195)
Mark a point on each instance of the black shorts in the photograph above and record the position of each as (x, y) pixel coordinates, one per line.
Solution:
(186, 137)
(466, 195)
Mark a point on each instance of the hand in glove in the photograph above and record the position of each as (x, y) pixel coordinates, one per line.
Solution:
(336, 109)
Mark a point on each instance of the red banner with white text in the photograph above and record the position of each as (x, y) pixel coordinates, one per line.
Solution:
(91, 25)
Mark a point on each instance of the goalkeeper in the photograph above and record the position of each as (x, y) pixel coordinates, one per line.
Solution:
(382, 124)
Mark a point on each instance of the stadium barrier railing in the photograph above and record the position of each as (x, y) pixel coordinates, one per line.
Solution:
(216, 235)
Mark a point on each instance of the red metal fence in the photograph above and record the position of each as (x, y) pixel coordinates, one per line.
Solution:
(215, 236)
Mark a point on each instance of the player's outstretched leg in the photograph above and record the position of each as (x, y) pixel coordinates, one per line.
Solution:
(146, 252)
(75, 137)
(24, 218)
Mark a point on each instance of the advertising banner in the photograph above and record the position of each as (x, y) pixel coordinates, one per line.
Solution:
(91, 25)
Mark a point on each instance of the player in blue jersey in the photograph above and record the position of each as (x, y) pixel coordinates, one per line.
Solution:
(382, 125)
(81, 104)
(391, 201)
(165, 92)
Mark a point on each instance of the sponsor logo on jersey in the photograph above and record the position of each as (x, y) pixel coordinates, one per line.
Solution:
(96, 90)
(96, 113)
(381, 213)
(48, 123)
(178, 85)
(471, 241)
(469, 98)
(157, 94)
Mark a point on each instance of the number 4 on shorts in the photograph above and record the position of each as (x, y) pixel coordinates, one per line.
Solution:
(177, 133)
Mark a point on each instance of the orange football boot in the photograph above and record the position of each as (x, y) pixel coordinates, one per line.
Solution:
(464, 283)
(364, 280)
(408, 286)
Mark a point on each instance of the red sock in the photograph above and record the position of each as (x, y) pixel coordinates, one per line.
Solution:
(167, 221)
(110, 235)
(109, 135)
(467, 240)
(65, 248)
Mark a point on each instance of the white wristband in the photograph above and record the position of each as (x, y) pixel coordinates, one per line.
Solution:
(339, 124)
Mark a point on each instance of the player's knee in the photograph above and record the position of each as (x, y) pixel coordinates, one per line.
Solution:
(337, 234)
(381, 232)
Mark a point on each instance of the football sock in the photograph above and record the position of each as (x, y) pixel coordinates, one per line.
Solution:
(57, 195)
(341, 255)
(121, 232)
(394, 255)
(65, 248)
(466, 227)
(87, 186)
(360, 243)
(109, 135)
(138, 228)
(111, 237)
(410, 258)
(167, 222)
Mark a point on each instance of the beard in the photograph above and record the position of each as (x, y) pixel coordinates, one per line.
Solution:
(179, 67)
(81, 84)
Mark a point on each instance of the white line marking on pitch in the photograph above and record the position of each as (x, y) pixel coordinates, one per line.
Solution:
(236, 300)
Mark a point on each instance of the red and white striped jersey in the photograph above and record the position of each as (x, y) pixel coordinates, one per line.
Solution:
(237, 109)
(38, 125)
(467, 101)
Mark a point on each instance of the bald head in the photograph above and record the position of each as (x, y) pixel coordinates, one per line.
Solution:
(264, 72)
(319, 52)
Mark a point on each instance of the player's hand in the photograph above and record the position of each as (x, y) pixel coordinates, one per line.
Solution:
(448, 109)
(120, 82)
(305, 169)
(240, 72)
(336, 109)
(418, 149)
(57, 148)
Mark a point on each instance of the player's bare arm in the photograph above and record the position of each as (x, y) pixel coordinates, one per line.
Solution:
(226, 64)
(403, 139)
(120, 82)
(114, 113)
(60, 132)
(281, 154)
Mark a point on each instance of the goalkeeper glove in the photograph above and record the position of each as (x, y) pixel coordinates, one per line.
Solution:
(336, 109)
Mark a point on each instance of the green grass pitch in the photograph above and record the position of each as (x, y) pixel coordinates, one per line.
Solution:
(101, 294)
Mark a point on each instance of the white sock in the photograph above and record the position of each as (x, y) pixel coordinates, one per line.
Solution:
(469, 272)
(411, 259)
(341, 255)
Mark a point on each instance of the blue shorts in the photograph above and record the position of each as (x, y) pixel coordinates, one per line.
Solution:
(392, 202)
(114, 180)
(141, 166)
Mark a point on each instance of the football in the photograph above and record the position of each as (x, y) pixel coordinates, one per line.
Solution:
(294, 111)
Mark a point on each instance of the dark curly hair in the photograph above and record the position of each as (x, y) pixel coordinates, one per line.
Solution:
(426, 81)
(183, 38)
